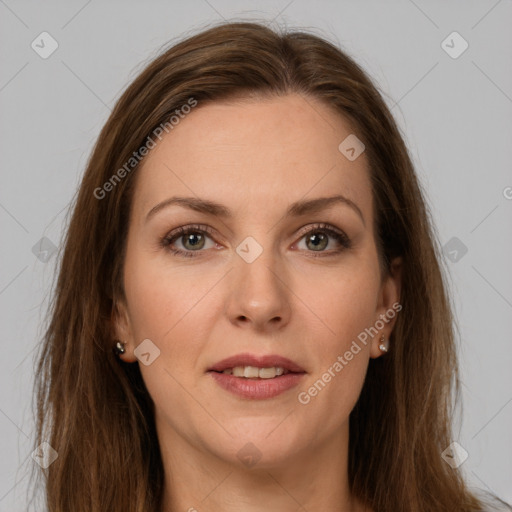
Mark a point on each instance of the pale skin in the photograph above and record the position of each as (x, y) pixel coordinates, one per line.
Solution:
(255, 157)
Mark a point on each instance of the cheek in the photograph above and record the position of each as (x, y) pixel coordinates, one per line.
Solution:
(173, 307)
(347, 306)
(161, 297)
(341, 361)
(169, 306)
(341, 302)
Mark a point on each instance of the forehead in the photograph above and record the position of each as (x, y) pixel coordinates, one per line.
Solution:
(269, 151)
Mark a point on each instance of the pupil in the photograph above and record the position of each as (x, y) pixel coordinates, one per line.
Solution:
(318, 240)
(190, 239)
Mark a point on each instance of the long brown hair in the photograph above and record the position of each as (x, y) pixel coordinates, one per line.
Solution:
(95, 411)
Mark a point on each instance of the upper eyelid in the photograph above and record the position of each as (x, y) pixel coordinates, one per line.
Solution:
(319, 226)
(180, 231)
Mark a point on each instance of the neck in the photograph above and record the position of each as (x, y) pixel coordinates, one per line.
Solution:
(199, 481)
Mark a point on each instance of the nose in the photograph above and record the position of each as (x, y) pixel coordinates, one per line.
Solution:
(260, 296)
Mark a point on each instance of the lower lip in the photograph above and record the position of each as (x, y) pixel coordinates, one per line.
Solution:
(258, 389)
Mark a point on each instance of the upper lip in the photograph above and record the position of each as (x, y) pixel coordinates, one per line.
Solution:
(264, 361)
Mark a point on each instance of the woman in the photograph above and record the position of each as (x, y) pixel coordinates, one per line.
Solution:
(250, 312)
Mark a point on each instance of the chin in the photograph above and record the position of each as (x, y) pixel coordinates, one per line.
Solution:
(260, 443)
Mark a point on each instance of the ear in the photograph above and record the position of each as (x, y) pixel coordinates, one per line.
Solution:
(122, 330)
(388, 307)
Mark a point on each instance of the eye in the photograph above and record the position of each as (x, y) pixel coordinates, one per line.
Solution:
(317, 239)
(192, 239)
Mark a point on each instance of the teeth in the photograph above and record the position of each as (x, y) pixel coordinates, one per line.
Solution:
(267, 373)
(238, 371)
(253, 372)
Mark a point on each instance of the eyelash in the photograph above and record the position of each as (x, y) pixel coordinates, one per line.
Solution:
(169, 239)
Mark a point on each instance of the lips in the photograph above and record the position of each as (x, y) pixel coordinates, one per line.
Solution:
(256, 377)
(267, 361)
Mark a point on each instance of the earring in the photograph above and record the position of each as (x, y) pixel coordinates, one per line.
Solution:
(119, 348)
(384, 345)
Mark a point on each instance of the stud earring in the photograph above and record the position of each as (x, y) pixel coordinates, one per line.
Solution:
(384, 345)
(119, 348)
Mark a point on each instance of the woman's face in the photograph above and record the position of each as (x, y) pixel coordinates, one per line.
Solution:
(254, 279)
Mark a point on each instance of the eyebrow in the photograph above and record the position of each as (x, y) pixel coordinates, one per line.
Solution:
(296, 209)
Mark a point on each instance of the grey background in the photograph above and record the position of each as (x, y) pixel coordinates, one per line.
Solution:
(455, 115)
